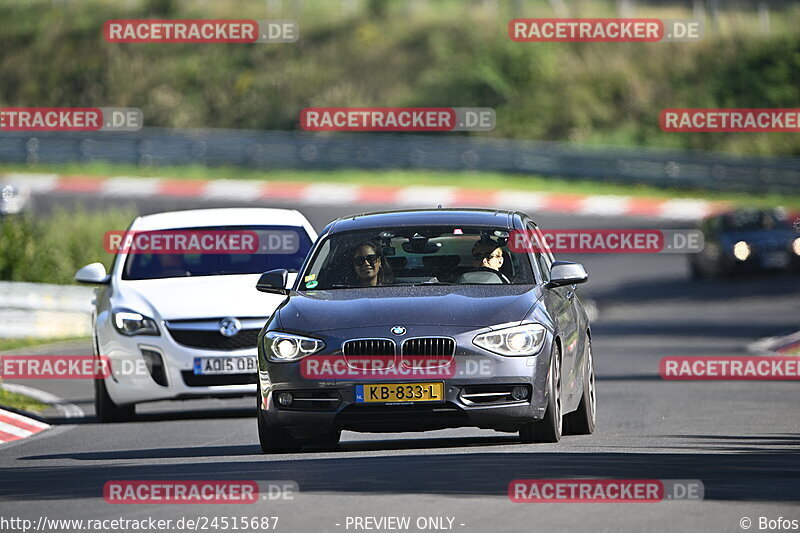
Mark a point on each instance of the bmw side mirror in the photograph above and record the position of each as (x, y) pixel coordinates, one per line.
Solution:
(273, 281)
(566, 273)
(94, 274)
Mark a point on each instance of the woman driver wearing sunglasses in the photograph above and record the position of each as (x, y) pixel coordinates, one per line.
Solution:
(370, 267)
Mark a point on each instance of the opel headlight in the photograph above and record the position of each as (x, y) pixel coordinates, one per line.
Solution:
(741, 250)
(284, 347)
(526, 339)
(129, 323)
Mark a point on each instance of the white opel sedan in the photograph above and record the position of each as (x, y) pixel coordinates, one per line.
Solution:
(185, 325)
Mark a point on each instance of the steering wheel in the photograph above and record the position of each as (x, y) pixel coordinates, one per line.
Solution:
(503, 279)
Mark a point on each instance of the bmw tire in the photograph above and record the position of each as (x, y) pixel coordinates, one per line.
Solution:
(548, 429)
(583, 420)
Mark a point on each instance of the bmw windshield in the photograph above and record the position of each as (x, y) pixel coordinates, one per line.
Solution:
(421, 255)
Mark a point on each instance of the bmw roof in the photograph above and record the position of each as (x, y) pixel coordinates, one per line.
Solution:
(424, 217)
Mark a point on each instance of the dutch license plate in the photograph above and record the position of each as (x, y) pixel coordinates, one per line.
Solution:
(400, 392)
(209, 366)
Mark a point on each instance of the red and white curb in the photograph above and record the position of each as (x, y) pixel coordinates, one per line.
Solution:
(15, 427)
(300, 193)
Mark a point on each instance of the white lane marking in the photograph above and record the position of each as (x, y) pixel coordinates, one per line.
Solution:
(606, 205)
(329, 193)
(529, 201)
(14, 430)
(24, 419)
(67, 409)
(130, 186)
(234, 190)
(685, 209)
(426, 196)
(37, 183)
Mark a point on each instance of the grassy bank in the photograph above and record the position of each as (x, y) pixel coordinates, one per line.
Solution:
(402, 53)
(15, 344)
(20, 401)
(50, 249)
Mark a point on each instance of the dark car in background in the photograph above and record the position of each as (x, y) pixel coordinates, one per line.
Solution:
(746, 241)
(510, 342)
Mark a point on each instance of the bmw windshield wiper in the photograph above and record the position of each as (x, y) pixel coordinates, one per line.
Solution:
(432, 283)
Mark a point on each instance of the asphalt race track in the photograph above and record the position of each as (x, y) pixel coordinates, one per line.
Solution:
(741, 439)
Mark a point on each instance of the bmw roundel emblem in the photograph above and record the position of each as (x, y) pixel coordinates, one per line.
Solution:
(399, 330)
(229, 327)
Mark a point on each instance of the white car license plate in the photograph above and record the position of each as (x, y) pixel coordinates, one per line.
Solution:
(206, 366)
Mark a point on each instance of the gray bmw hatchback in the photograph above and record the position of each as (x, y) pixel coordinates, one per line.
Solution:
(421, 320)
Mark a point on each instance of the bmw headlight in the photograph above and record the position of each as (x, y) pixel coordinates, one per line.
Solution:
(796, 246)
(741, 250)
(285, 347)
(526, 339)
(130, 324)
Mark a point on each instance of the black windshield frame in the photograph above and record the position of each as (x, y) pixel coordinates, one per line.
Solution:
(518, 264)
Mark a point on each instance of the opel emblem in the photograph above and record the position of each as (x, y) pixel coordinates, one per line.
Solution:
(399, 330)
(229, 327)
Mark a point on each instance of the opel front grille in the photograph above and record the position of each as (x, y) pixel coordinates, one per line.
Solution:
(205, 334)
(213, 340)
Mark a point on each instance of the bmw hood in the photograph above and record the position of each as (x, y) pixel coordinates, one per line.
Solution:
(469, 305)
(198, 297)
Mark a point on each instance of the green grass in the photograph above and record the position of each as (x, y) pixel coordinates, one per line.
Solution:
(20, 401)
(473, 180)
(51, 248)
(14, 344)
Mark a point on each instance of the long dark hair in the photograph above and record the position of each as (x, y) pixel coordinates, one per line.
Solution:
(385, 274)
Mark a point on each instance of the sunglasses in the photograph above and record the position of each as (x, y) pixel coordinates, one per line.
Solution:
(371, 259)
(487, 256)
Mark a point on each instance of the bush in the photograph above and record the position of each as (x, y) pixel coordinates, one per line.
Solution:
(51, 249)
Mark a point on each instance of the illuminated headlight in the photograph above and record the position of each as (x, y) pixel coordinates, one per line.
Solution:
(283, 347)
(741, 250)
(130, 324)
(796, 246)
(526, 339)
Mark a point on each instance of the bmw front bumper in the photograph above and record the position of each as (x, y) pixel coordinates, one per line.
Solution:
(473, 394)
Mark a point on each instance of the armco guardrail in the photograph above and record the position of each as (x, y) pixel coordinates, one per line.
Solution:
(40, 310)
(300, 150)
